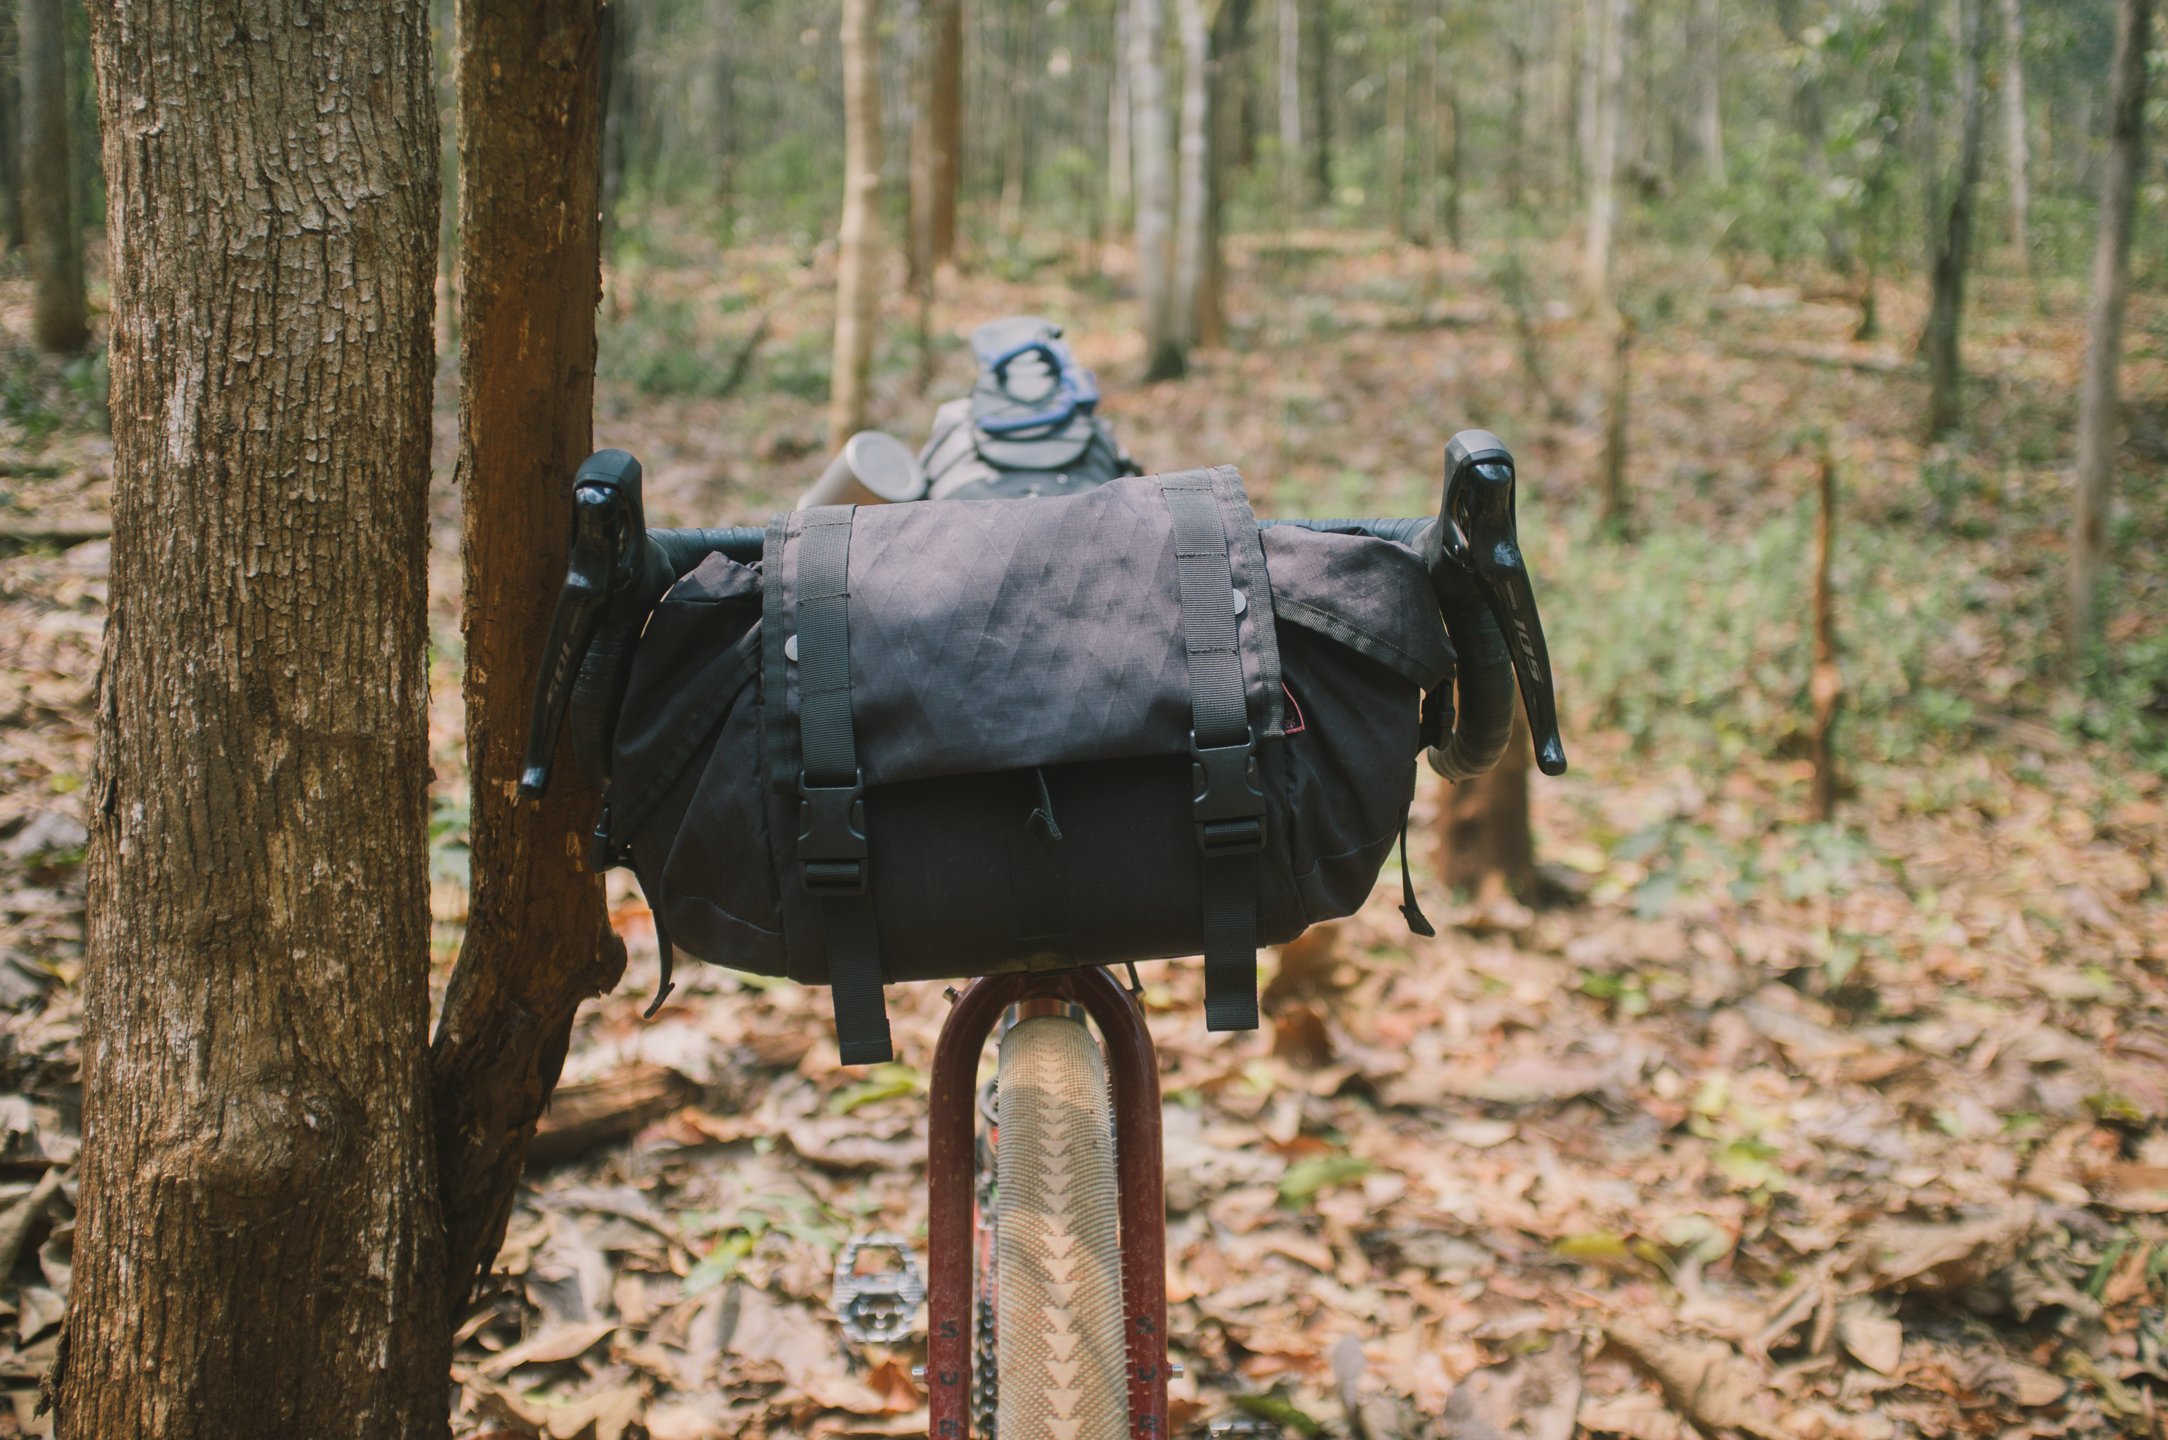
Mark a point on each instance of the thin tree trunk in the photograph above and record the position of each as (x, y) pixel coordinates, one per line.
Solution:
(1709, 115)
(1155, 188)
(1321, 100)
(1230, 55)
(1016, 135)
(858, 252)
(1604, 140)
(724, 13)
(2099, 395)
(1430, 199)
(58, 315)
(1486, 846)
(1617, 419)
(2016, 144)
(1289, 64)
(1397, 118)
(538, 940)
(11, 155)
(258, 1251)
(933, 141)
(1121, 152)
(1826, 684)
(946, 111)
(1194, 174)
(1515, 179)
(1953, 240)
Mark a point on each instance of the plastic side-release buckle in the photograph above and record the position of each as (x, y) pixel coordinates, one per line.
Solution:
(832, 836)
(1227, 798)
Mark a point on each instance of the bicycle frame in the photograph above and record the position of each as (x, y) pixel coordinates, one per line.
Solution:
(952, 1114)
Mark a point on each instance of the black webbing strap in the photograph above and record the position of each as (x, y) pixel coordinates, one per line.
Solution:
(1227, 802)
(832, 855)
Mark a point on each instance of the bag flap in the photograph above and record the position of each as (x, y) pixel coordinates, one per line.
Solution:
(1371, 595)
(992, 635)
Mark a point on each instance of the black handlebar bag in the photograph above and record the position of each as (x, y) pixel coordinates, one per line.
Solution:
(965, 737)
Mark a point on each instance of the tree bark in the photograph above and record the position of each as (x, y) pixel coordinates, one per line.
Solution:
(58, 315)
(1288, 62)
(1709, 113)
(1149, 148)
(1228, 126)
(1825, 685)
(1121, 151)
(2016, 144)
(934, 140)
(1604, 136)
(1485, 843)
(858, 251)
(2099, 395)
(1617, 420)
(1193, 178)
(11, 196)
(1321, 100)
(1953, 240)
(538, 941)
(258, 1250)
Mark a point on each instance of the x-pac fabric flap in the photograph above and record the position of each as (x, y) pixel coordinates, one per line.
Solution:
(1002, 634)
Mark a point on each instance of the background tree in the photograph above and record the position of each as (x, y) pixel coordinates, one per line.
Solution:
(2100, 390)
(858, 254)
(11, 198)
(58, 319)
(1610, 19)
(1193, 178)
(2017, 144)
(1951, 216)
(538, 941)
(937, 136)
(1149, 159)
(257, 1169)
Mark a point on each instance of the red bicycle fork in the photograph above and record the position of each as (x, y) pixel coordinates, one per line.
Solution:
(1133, 1067)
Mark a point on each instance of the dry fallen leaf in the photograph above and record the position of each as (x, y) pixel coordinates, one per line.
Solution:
(1707, 1382)
(562, 1342)
(1875, 1341)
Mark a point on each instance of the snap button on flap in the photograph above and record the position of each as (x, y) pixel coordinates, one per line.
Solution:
(790, 648)
(1241, 604)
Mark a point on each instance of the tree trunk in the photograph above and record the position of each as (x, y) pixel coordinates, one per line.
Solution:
(1825, 686)
(1121, 152)
(1397, 121)
(1618, 414)
(1321, 100)
(538, 941)
(57, 311)
(1953, 241)
(2098, 397)
(1194, 177)
(1709, 114)
(1149, 156)
(1016, 135)
(1611, 19)
(2016, 144)
(1289, 65)
(258, 1250)
(858, 251)
(722, 25)
(934, 139)
(11, 195)
(1485, 844)
(1226, 103)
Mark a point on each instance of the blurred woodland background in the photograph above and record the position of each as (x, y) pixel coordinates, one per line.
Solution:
(1795, 1066)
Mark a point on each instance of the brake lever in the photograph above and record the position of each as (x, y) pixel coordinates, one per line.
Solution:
(609, 543)
(1482, 535)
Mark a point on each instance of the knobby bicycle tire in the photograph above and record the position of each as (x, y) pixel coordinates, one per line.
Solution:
(1058, 1331)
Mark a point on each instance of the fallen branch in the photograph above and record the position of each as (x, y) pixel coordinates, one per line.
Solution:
(1842, 357)
(32, 529)
(588, 1114)
(741, 363)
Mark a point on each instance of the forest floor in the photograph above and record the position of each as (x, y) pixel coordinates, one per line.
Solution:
(1755, 1126)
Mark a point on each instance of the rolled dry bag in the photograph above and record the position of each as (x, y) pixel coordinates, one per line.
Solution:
(961, 738)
